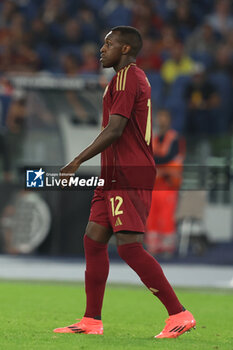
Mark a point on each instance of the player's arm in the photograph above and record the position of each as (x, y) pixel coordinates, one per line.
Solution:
(111, 133)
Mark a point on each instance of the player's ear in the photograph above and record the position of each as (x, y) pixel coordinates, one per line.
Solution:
(126, 49)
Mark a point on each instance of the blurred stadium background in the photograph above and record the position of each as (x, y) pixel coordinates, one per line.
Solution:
(51, 87)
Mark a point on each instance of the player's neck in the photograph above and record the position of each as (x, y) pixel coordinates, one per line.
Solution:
(124, 62)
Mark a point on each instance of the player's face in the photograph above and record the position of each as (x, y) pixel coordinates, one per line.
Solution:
(111, 51)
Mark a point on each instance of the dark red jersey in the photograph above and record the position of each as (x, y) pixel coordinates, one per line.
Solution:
(128, 162)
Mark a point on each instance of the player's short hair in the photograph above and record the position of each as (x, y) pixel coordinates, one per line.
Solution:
(130, 36)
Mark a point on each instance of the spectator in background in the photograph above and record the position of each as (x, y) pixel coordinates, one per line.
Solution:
(168, 155)
(54, 11)
(17, 29)
(16, 116)
(149, 59)
(145, 18)
(16, 120)
(202, 103)
(178, 64)
(70, 64)
(203, 40)
(16, 54)
(40, 32)
(19, 58)
(229, 39)
(221, 20)
(89, 25)
(71, 67)
(183, 20)
(90, 62)
(5, 157)
(72, 34)
(115, 12)
(8, 8)
(223, 60)
(166, 41)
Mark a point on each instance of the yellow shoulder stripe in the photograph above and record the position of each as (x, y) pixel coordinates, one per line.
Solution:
(121, 79)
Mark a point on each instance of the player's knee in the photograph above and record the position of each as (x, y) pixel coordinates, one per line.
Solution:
(129, 251)
(98, 232)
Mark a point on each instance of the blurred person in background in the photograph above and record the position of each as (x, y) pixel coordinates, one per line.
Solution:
(17, 54)
(70, 64)
(54, 11)
(229, 39)
(202, 101)
(145, 18)
(166, 41)
(17, 116)
(90, 63)
(5, 164)
(16, 120)
(8, 8)
(72, 35)
(89, 24)
(40, 32)
(169, 155)
(221, 20)
(179, 64)
(223, 60)
(114, 12)
(202, 40)
(149, 59)
(183, 20)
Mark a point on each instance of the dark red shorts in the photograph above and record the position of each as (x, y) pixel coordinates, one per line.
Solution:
(121, 210)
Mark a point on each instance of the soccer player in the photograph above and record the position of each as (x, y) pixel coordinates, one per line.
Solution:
(123, 205)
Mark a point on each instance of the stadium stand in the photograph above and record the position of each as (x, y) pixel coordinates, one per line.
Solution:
(51, 35)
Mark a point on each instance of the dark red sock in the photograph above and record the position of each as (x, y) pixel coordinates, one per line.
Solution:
(151, 274)
(96, 274)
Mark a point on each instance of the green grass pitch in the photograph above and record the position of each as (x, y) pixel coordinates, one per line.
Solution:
(131, 315)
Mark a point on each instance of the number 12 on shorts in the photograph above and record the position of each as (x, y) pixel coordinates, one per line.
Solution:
(116, 203)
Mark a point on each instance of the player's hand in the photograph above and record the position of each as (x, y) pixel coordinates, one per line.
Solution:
(69, 170)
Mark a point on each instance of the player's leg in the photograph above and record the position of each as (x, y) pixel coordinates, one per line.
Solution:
(97, 235)
(131, 250)
(97, 267)
(152, 237)
(150, 272)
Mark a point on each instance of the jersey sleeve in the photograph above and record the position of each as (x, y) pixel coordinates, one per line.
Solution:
(124, 91)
